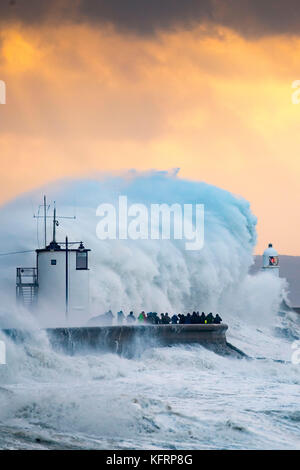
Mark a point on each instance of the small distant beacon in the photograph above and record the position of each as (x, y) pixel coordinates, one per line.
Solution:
(271, 260)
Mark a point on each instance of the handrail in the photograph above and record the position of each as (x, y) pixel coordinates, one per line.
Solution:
(26, 273)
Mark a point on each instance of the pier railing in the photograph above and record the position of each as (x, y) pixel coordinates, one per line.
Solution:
(26, 286)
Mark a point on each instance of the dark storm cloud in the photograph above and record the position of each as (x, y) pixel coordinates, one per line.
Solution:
(35, 11)
(259, 17)
(251, 18)
(145, 16)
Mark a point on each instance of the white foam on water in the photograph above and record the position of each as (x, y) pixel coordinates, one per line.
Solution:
(179, 397)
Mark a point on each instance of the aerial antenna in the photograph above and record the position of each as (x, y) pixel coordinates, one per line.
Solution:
(55, 223)
(44, 216)
(45, 220)
(54, 218)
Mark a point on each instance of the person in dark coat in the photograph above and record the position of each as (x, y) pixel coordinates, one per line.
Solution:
(174, 319)
(181, 318)
(202, 318)
(121, 317)
(131, 318)
(194, 318)
(217, 319)
(210, 318)
(162, 319)
(188, 319)
(167, 318)
(149, 318)
(156, 320)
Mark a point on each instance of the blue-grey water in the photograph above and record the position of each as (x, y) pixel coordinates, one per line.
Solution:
(182, 397)
(179, 397)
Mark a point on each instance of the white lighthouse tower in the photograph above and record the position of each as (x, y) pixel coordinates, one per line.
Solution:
(271, 260)
(60, 281)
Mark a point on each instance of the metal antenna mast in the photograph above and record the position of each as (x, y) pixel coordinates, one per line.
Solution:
(45, 220)
(44, 205)
(54, 218)
(55, 222)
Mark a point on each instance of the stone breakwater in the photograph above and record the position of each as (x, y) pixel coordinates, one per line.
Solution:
(132, 340)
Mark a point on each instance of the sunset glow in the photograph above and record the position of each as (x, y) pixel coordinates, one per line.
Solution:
(83, 98)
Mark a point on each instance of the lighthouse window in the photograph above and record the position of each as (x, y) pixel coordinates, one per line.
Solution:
(81, 260)
(53, 262)
(273, 260)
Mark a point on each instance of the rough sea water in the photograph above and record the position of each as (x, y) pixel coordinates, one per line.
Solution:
(181, 397)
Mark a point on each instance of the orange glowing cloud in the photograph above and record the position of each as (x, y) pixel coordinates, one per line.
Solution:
(83, 99)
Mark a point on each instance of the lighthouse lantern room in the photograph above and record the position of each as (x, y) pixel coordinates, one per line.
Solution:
(60, 280)
(271, 260)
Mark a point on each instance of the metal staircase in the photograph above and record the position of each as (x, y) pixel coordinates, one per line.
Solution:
(27, 286)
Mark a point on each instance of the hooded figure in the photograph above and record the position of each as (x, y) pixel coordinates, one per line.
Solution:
(131, 318)
(202, 318)
(210, 318)
(217, 319)
(149, 317)
(174, 319)
(188, 319)
(121, 317)
(167, 319)
(142, 317)
(156, 320)
(194, 318)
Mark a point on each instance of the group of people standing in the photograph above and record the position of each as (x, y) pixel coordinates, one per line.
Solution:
(165, 319)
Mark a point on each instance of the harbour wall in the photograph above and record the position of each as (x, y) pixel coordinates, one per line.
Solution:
(132, 340)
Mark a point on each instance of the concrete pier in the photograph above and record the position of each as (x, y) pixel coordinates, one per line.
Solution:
(132, 340)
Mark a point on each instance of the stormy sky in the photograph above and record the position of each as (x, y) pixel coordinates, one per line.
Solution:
(251, 18)
(204, 86)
